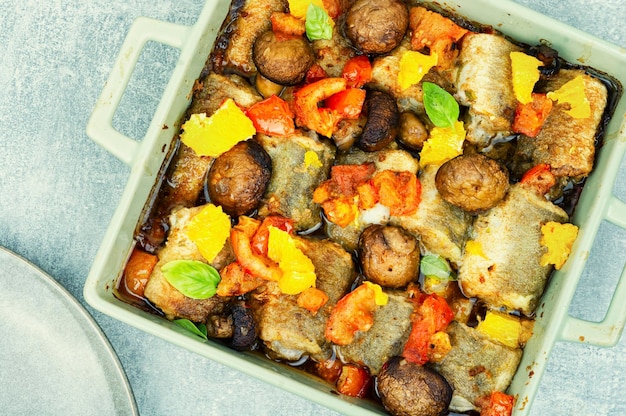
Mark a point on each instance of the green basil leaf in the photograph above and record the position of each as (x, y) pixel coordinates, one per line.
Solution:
(199, 330)
(193, 279)
(435, 265)
(440, 105)
(318, 23)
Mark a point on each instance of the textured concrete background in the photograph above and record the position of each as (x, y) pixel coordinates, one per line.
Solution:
(58, 192)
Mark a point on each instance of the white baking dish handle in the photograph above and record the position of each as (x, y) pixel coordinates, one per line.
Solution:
(100, 128)
(607, 332)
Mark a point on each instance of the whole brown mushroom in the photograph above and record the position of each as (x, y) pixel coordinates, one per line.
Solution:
(389, 255)
(377, 26)
(238, 178)
(409, 389)
(472, 182)
(284, 62)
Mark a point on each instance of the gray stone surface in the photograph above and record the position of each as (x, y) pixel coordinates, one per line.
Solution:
(58, 192)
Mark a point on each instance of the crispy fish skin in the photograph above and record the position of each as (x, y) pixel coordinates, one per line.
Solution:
(248, 19)
(440, 226)
(565, 143)
(289, 331)
(475, 366)
(290, 190)
(179, 247)
(387, 336)
(484, 83)
(508, 272)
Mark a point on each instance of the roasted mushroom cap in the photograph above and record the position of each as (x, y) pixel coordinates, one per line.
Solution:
(382, 115)
(389, 255)
(284, 62)
(377, 26)
(408, 389)
(473, 182)
(244, 328)
(238, 178)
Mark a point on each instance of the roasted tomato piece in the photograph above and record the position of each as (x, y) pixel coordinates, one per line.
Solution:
(353, 381)
(347, 103)
(138, 270)
(322, 120)
(357, 71)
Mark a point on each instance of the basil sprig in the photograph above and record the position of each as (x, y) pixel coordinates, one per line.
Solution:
(435, 265)
(199, 329)
(440, 105)
(318, 23)
(192, 278)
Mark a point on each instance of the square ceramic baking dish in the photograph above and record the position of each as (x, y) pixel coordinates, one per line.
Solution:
(146, 159)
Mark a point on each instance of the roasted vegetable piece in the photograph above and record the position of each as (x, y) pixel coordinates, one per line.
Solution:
(473, 182)
(433, 316)
(285, 61)
(286, 24)
(399, 191)
(353, 381)
(244, 328)
(539, 178)
(312, 299)
(354, 312)
(382, 119)
(272, 116)
(497, 404)
(412, 131)
(377, 26)
(257, 265)
(529, 118)
(322, 120)
(407, 389)
(238, 178)
(236, 281)
(357, 72)
(389, 256)
(347, 103)
(435, 32)
(137, 271)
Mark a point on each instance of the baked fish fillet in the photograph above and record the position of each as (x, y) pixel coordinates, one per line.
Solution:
(475, 366)
(386, 338)
(289, 331)
(290, 190)
(187, 172)
(179, 247)
(565, 143)
(247, 19)
(506, 270)
(440, 226)
(484, 83)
